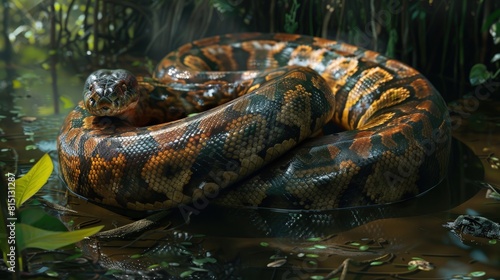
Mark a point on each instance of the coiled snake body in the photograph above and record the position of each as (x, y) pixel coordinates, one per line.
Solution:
(117, 148)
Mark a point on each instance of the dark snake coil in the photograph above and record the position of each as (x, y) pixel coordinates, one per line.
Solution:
(118, 148)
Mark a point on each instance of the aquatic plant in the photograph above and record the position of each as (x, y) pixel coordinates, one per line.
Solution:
(479, 73)
(25, 225)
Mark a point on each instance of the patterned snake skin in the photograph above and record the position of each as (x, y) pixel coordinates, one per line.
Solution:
(265, 146)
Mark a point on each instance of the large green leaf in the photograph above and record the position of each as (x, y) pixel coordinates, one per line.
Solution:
(479, 74)
(30, 183)
(32, 237)
(37, 217)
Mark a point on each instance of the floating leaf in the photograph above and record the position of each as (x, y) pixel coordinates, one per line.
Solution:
(32, 237)
(477, 273)
(30, 183)
(203, 261)
(364, 247)
(153, 266)
(314, 239)
(186, 273)
(136, 256)
(51, 273)
(277, 263)
(113, 271)
(198, 269)
(492, 241)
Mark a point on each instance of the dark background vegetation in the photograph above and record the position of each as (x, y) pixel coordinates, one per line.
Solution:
(441, 38)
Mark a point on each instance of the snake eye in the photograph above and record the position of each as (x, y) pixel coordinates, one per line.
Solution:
(91, 101)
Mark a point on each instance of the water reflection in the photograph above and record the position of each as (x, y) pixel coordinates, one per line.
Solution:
(270, 244)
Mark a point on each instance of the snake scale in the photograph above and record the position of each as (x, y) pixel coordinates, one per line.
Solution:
(129, 143)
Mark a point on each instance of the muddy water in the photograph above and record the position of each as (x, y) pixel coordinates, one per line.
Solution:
(215, 243)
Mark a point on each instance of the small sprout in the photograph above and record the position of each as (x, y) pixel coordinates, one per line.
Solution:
(312, 262)
(312, 255)
(376, 263)
(354, 244)
(277, 263)
(318, 246)
(492, 242)
(317, 277)
(136, 256)
(264, 244)
(164, 264)
(300, 255)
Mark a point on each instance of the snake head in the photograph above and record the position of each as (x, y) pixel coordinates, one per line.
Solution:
(110, 92)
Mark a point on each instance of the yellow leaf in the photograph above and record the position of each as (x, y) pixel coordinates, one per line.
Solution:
(46, 110)
(30, 183)
(67, 103)
(16, 84)
(33, 237)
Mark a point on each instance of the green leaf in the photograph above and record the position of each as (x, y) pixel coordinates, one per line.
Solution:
(364, 247)
(492, 18)
(479, 74)
(477, 273)
(32, 237)
(30, 183)
(67, 102)
(201, 262)
(314, 239)
(186, 273)
(36, 217)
